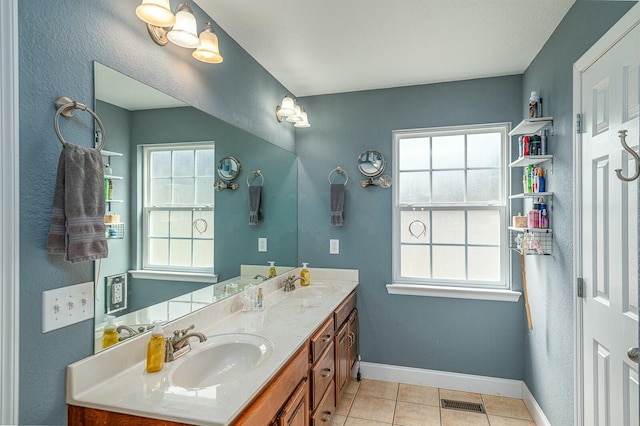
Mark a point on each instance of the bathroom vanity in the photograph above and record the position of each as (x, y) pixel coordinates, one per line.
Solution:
(308, 347)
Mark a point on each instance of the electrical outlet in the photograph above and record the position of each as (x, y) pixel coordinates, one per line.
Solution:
(334, 246)
(262, 244)
(66, 305)
(115, 293)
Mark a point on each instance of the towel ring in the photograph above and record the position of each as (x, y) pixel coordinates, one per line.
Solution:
(65, 106)
(255, 173)
(339, 170)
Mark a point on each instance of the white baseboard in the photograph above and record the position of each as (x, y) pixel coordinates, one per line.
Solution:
(456, 381)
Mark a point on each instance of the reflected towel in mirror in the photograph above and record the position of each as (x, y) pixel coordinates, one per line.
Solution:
(337, 204)
(255, 204)
(77, 221)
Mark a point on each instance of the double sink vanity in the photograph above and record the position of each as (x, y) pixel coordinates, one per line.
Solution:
(286, 364)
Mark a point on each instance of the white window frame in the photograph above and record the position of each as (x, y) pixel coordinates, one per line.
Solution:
(151, 271)
(454, 288)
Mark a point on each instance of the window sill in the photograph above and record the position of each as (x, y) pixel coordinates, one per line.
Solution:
(454, 292)
(174, 276)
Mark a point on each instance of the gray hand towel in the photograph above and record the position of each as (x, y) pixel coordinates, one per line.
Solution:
(255, 204)
(77, 220)
(337, 204)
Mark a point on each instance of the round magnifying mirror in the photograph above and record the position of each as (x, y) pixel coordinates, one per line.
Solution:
(229, 169)
(371, 163)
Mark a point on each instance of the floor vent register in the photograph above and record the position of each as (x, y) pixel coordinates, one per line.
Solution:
(462, 405)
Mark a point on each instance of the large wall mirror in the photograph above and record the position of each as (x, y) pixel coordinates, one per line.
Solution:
(175, 243)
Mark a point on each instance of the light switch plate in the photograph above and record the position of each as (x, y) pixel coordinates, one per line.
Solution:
(66, 305)
(334, 246)
(262, 244)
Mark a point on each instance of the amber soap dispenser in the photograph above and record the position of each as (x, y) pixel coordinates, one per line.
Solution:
(156, 349)
(305, 274)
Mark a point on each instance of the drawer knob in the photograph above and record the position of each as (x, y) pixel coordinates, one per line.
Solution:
(326, 338)
(327, 372)
(327, 417)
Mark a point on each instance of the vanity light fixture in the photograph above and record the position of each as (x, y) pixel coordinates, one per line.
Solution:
(291, 111)
(181, 29)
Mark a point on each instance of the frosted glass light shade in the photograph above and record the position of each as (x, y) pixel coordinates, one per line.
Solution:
(294, 118)
(304, 122)
(287, 106)
(208, 51)
(156, 13)
(184, 31)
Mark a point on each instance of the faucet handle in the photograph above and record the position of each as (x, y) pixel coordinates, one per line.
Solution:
(184, 331)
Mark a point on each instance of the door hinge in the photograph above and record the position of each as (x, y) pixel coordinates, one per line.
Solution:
(578, 123)
(580, 287)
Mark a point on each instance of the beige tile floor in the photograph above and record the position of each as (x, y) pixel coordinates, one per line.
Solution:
(377, 403)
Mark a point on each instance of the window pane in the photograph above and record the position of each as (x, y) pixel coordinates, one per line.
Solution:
(448, 227)
(203, 253)
(414, 154)
(483, 186)
(204, 190)
(183, 191)
(181, 224)
(416, 222)
(448, 262)
(180, 253)
(158, 252)
(204, 162)
(203, 224)
(414, 187)
(484, 227)
(483, 150)
(183, 163)
(414, 261)
(484, 263)
(158, 224)
(448, 152)
(160, 164)
(448, 187)
(160, 191)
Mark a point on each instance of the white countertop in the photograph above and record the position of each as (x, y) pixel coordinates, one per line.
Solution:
(114, 380)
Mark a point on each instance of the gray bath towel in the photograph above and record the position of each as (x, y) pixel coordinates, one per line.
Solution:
(255, 204)
(77, 220)
(337, 204)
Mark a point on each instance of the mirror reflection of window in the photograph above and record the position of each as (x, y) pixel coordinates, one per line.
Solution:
(178, 207)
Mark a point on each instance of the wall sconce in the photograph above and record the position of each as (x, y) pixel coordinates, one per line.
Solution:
(291, 111)
(180, 29)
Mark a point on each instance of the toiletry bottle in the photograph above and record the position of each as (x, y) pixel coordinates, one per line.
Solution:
(541, 184)
(260, 301)
(305, 274)
(543, 144)
(106, 189)
(110, 336)
(272, 269)
(544, 219)
(525, 146)
(110, 197)
(156, 349)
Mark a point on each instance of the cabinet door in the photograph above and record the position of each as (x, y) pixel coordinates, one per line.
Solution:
(294, 412)
(342, 359)
(353, 344)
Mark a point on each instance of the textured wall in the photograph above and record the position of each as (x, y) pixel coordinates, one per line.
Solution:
(457, 335)
(549, 349)
(58, 42)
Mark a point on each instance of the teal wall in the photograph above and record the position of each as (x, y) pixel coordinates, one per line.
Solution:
(58, 42)
(549, 348)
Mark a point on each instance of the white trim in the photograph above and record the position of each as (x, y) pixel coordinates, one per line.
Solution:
(456, 381)
(174, 276)
(453, 292)
(9, 214)
(629, 21)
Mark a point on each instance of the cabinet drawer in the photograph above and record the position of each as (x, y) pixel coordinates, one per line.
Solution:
(343, 311)
(321, 375)
(322, 339)
(326, 409)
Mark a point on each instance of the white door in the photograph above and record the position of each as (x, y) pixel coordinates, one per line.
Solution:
(609, 235)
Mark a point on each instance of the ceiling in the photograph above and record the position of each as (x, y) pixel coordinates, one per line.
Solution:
(329, 46)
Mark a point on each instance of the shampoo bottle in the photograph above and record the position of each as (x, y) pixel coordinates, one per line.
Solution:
(305, 274)
(156, 349)
(110, 336)
(272, 269)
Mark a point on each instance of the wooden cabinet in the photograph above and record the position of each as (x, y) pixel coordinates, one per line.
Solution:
(323, 414)
(346, 343)
(295, 412)
(322, 373)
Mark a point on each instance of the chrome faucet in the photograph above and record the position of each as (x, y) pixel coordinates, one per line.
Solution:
(289, 282)
(128, 329)
(179, 345)
(260, 276)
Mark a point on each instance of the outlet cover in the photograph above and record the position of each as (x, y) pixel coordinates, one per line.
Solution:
(115, 298)
(334, 246)
(67, 305)
(262, 244)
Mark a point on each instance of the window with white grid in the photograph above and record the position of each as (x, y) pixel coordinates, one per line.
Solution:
(178, 207)
(450, 210)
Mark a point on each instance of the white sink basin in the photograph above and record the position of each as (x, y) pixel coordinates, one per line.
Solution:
(315, 291)
(219, 359)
